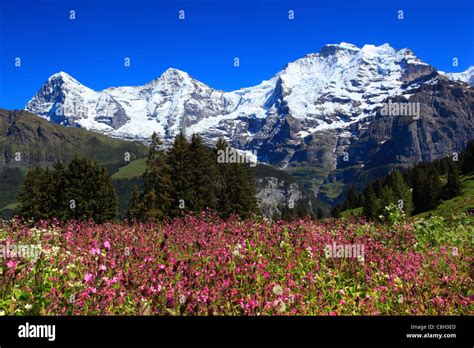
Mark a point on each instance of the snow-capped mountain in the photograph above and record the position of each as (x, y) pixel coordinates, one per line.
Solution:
(467, 76)
(330, 89)
(321, 111)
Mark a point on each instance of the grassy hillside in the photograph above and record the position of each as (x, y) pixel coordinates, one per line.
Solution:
(27, 140)
(456, 205)
(40, 142)
(351, 212)
(134, 169)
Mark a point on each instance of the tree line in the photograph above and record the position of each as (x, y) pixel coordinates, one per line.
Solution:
(82, 190)
(185, 178)
(189, 177)
(414, 190)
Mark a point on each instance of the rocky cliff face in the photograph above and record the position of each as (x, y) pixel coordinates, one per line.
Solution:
(327, 111)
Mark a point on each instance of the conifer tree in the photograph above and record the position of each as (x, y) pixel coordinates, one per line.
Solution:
(204, 175)
(31, 197)
(372, 205)
(158, 190)
(180, 173)
(352, 201)
(82, 191)
(58, 185)
(401, 191)
(453, 184)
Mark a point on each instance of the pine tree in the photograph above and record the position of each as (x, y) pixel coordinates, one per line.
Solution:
(89, 192)
(419, 188)
(434, 189)
(352, 201)
(372, 205)
(180, 171)
(82, 191)
(453, 184)
(223, 198)
(105, 197)
(336, 212)
(236, 187)
(204, 173)
(31, 196)
(58, 184)
(401, 191)
(157, 195)
(319, 214)
(427, 188)
(135, 209)
(467, 159)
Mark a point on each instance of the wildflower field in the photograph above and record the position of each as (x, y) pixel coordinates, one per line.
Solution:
(202, 265)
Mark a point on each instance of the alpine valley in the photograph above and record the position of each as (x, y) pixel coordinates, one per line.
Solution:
(319, 119)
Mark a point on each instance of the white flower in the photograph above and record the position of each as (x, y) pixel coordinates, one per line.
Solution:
(28, 306)
(237, 248)
(2, 313)
(280, 306)
(277, 290)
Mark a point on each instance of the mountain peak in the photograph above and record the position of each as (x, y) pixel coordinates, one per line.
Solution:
(62, 76)
(466, 76)
(344, 45)
(170, 76)
(174, 73)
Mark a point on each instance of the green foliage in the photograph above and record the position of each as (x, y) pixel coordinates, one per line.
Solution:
(188, 177)
(81, 191)
(418, 189)
(453, 184)
(132, 170)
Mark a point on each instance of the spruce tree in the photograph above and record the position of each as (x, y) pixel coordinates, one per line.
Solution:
(157, 196)
(319, 214)
(58, 185)
(453, 184)
(135, 209)
(236, 187)
(31, 197)
(223, 181)
(401, 191)
(89, 192)
(179, 163)
(204, 175)
(352, 200)
(106, 199)
(372, 205)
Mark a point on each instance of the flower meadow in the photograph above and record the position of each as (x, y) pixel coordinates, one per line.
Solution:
(202, 265)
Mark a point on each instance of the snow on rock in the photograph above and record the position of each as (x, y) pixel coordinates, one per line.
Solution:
(331, 89)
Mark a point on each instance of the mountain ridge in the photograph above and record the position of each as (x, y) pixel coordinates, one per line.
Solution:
(315, 112)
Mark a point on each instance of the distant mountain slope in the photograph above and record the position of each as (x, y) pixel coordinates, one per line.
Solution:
(27, 140)
(466, 76)
(39, 142)
(321, 116)
(331, 89)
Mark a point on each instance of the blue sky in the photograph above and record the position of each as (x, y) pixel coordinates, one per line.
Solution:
(92, 47)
